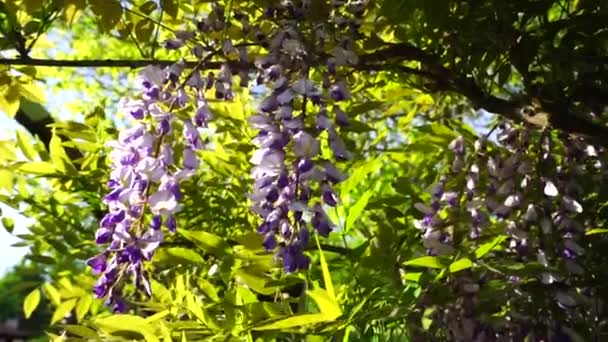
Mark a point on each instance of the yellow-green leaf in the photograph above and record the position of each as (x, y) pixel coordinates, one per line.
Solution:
(207, 241)
(80, 330)
(72, 10)
(60, 159)
(294, 321)
(6, 179)
(7, 150)
(208, 289)
(325, 269)
(195, 309)
(460, 265)
(62, 310)
(38, 168)
(115, 323)
(157, 316)
(83, 306)
(160, 292)
(597, 231)
(355, 211)
(25, 145)
(489, 246)
(32, 92)
(327, 305)
(52, 294)
(8, 224)
(179, 255)
(9, 99)
(255, 280)
(425, 261)
(31, 302)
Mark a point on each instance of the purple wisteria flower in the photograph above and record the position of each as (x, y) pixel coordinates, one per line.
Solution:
(293, 183)
(527, 190)
(144, 186)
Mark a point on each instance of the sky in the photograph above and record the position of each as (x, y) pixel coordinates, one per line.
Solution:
(55, 104)
(9, 256)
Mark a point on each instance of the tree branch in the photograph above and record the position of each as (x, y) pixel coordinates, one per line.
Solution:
(560, 115)
(94, 63)
(389, 58)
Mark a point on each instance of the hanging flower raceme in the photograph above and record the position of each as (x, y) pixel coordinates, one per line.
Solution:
(144, 186)
(293, 183)
(282, 190)
(526, 188)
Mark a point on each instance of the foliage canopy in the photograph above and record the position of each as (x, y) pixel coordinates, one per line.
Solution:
(453, 223)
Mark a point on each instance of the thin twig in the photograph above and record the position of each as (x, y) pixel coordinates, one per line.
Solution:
(141, 52)
(160, 20)
(149, 19)
(100, 63)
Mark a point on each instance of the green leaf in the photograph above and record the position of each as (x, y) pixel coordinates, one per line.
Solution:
(426, 261)
(148, 7)
(30, 303)
(62, 310)
(34, 110)
(26, 147)
(251, 240)
(255, 280)
(427, 318)
(325, 269)
(8, 224)
(108, 13)
(143, 30)
(489, 246)
(83, 306)
(43, 259)
(207, 241)
(179, 255)
(72, 10)
(460, 265)
(294, 321)
(38, 168)
(355, 211)
(10, 99)
(75, 130)
(126, 323)
(170, 7)
(327, 305)
(360, 305)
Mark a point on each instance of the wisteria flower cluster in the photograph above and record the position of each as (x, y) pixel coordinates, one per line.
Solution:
(148, 162)
(293, 182)
(299, 119)
(528, 186)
